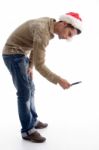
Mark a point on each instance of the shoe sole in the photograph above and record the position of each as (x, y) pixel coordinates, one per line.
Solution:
(35, 141)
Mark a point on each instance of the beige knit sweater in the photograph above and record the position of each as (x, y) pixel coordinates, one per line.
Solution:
(31, 38)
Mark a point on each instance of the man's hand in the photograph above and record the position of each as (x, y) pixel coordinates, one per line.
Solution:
(64, 83)
(30, 72)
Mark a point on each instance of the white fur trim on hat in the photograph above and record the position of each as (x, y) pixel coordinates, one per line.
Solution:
(75, 22)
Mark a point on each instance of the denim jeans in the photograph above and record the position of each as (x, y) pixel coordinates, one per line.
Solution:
(17, 65)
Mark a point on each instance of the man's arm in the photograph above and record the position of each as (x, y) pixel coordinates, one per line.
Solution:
(37, 57)
(39, 63)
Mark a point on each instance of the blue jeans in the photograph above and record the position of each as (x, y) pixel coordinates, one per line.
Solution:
(17, 65)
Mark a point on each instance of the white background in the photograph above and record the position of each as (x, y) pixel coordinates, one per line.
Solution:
(72, 115)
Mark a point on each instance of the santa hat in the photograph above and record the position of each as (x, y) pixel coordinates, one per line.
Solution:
(73, 19)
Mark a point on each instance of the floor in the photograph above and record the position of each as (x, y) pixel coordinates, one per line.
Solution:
(72, 117)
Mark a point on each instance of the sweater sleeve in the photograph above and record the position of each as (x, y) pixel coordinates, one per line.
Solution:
(37, 57)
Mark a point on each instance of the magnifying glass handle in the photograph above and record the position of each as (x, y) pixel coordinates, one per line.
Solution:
(76, 83)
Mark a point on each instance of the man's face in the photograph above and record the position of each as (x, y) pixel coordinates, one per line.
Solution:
(66, 32)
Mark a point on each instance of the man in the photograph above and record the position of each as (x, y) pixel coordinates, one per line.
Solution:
(31, 38)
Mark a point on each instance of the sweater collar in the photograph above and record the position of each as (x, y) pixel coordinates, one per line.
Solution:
(51, 27)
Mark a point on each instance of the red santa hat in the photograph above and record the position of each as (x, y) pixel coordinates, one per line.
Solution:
(73, 19)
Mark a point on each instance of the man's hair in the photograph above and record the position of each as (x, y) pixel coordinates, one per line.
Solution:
(70, 26)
